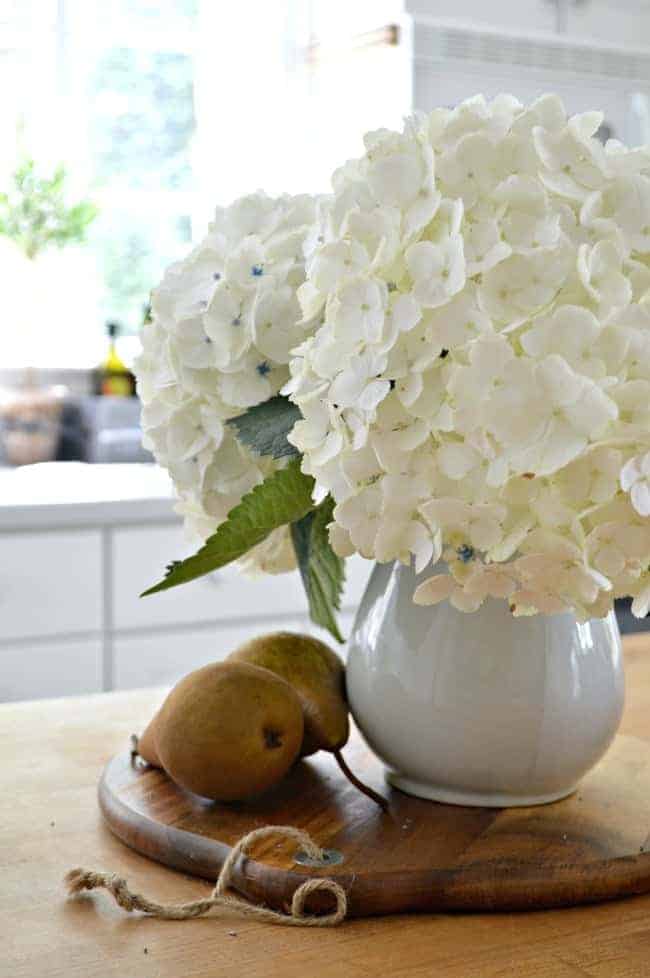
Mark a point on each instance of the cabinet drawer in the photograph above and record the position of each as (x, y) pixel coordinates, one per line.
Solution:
(154, 660)
(29, 672)
(345, 620)
(162, 659)
(357, 572)
(50, 583)
(141, 554)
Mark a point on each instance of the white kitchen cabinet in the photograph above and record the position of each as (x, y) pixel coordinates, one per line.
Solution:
(357, 571)
(139, 559)
(626, 22)
(50, 583)
(71, 619)
(50, 668)
(481, 52)
(161, 659)
(139, 556)
(345, 620)
(529, 15)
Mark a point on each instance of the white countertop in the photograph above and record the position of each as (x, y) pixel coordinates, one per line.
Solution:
(56, 494)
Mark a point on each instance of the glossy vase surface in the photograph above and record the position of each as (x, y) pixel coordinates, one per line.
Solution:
(482, 708)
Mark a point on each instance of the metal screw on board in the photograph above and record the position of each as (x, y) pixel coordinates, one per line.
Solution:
(331, 857)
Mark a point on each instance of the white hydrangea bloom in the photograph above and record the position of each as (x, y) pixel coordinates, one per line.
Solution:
(224, 322)
(478, 385)
(635, 479)
(465, 327)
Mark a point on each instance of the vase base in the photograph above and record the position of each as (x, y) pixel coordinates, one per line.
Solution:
(474, 799)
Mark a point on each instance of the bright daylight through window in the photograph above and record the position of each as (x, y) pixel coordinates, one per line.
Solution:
(149, 107)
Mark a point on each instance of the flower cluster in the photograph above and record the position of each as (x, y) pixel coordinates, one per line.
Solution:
(464, 325)
(479, 389)
(224, 321)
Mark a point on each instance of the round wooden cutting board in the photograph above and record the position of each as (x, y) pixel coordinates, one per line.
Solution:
(421, 856)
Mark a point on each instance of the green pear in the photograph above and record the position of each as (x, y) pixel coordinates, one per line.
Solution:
(317, 675)
(228, 731)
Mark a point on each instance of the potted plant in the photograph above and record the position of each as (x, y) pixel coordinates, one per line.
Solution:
(34, 212)
(443, 366)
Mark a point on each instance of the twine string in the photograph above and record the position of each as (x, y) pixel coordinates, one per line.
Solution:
(222, 895)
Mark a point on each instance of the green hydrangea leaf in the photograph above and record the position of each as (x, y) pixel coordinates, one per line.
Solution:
(322, 571)
(264, 428)
(284, 497)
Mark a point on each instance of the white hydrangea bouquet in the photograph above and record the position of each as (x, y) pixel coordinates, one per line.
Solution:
(448, 357)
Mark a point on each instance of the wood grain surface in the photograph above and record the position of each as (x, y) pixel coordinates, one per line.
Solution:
(51, 756)
(419, 856)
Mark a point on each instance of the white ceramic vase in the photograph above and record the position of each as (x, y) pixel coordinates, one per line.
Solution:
(483, 708)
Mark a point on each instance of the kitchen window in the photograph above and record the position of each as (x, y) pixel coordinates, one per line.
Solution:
(160, 109)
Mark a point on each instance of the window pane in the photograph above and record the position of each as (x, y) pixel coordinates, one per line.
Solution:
(133, 247)
(161, 109)
(113, 98)
(143, 118)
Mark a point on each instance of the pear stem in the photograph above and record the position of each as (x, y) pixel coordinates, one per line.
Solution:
(134, 741)
(363, 788)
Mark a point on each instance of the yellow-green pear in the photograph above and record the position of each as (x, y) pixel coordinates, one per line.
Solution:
(227, 731)
(318, 677)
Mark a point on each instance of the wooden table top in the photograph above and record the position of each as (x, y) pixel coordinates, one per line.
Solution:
(51, 756)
